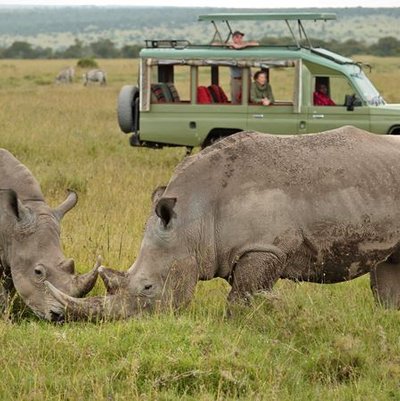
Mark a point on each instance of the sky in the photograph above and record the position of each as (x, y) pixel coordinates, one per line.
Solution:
(212, 3)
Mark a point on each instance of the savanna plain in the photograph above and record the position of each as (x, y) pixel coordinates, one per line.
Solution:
(301, 342)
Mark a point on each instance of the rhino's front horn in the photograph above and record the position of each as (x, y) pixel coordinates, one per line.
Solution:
(111, 307)
(84, 283)
(67, 205)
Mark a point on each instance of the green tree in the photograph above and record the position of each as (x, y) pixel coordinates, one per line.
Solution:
(77, 50)
(387, 46)
(130, 51)
(41, 52)
(104, 48)
(19, 50)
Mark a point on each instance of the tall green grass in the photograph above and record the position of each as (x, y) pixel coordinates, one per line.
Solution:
(301, 342)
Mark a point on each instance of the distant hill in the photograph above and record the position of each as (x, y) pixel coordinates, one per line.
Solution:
(57, 27)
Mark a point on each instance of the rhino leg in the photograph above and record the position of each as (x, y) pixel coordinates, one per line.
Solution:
(385, 283)
(254, 271)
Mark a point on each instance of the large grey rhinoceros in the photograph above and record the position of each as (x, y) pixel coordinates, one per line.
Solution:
(30, 251)
(254, 208)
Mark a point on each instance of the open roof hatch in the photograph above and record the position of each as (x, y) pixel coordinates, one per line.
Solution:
(298, 38)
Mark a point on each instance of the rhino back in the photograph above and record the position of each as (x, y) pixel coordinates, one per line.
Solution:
(14, 175)
(342, 185)
(342, 157)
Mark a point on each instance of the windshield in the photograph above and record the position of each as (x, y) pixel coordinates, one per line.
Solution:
(368, 91)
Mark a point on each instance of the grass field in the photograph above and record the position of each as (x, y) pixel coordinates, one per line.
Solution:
(302, 342)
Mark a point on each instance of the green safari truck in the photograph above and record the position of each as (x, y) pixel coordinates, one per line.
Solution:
(183, 95)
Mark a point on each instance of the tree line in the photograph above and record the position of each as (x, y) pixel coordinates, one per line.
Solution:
(105, 48)
(102, 48)
(384, 47)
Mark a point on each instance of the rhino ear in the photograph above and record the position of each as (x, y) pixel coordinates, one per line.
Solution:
(9, 202)
(165, 210)
(157, 193)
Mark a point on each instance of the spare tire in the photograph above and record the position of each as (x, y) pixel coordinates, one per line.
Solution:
(128, 109)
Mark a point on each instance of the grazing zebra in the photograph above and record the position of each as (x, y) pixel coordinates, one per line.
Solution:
(66, 76)
(95, 76)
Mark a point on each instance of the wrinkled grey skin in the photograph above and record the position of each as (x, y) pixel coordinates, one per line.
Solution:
(254, 208)
(30, 251)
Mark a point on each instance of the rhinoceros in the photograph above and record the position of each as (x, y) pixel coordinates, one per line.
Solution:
(95, 76)
(30, 251)
(255, 208)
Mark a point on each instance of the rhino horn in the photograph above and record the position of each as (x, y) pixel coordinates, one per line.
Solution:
(114, 280)
(67, 205)
(85, 282)
(110, 307)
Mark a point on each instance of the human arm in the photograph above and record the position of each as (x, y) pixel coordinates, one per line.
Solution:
(257, 96)
(243, 44)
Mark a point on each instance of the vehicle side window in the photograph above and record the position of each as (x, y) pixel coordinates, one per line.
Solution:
(331, 90)
(340, 88)
(282, 82)
(213, 85)
(182, 82)
(170, 84)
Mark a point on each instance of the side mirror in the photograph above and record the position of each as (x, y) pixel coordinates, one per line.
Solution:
(351, 101)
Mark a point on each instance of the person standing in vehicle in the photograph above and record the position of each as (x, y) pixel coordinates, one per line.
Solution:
(236, 72)
(261, 91)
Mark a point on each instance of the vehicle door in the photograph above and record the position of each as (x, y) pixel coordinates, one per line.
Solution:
(346, 107)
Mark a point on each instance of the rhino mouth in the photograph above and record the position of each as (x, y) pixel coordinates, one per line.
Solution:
(57, 316)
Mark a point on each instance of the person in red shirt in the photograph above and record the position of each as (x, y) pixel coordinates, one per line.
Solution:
(321, 97)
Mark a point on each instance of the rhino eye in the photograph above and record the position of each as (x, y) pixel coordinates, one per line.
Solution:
(39, 271)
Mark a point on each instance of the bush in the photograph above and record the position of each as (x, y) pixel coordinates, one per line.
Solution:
(87, 63)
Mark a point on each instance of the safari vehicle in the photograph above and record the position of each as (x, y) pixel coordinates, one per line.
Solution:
(168, 106)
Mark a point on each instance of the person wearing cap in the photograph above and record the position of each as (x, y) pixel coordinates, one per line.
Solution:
(238, 42)
(236, 72)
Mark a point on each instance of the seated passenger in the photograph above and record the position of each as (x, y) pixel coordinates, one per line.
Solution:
(321, 97)
(261, 92)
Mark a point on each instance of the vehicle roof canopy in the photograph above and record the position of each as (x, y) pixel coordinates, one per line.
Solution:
(267, 17)
(285, 17)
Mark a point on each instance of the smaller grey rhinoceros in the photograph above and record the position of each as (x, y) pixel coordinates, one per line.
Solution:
(30, 250)
(255, 208)
(93, 76)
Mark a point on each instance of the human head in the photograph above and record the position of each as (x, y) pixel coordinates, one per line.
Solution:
(260, 77)
(237, 37)
(322, 88)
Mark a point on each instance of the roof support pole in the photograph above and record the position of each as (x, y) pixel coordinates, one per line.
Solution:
(292, 33)
(216, 33)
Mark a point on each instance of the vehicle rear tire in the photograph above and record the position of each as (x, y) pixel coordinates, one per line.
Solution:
(128, 109)
(218, 134)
